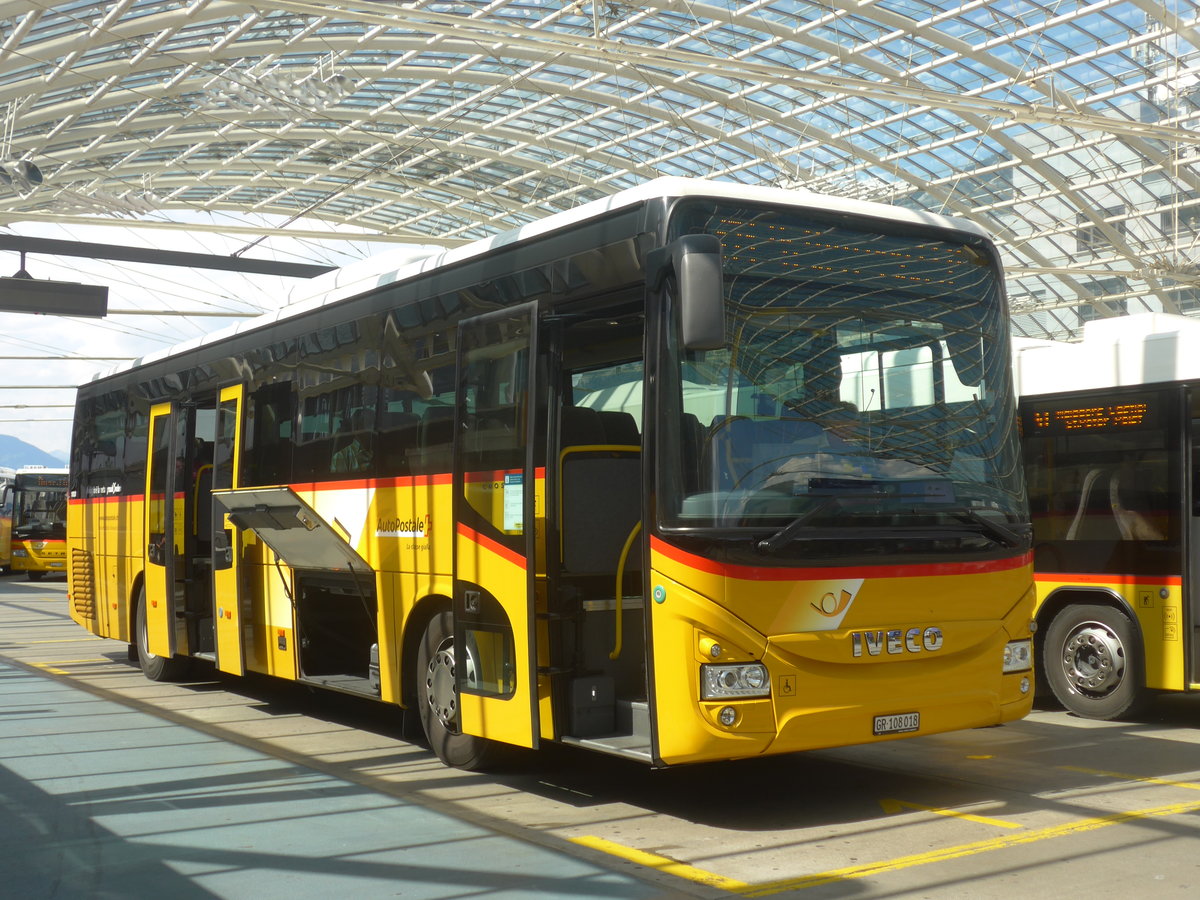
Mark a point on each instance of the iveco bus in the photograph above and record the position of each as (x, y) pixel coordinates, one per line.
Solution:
(697, 471)
(1112, 446)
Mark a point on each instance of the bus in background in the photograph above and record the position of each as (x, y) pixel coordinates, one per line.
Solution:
(6, 506)
(39, 522)
(699, 471)
(1111, 437)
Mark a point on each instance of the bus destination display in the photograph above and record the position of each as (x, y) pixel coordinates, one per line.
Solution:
(1118, 416)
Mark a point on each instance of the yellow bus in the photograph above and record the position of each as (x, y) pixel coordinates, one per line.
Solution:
(38, 539)
(697, 471)
(1111, 435)
(6, 508)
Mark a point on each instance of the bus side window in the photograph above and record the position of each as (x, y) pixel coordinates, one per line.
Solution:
(267, 455)
(1196, 467)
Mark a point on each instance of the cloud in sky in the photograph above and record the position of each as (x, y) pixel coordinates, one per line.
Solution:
(39, 355)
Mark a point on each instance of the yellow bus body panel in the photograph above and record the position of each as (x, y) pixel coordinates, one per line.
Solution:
(1158, 604)
(821, 695)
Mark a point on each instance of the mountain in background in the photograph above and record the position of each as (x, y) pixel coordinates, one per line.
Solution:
(15, 453)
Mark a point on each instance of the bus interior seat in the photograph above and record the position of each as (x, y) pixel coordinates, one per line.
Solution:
(601, 492)
(436, 438)
(203, 506)
(740, 447)
(620, 428)
(1093, 520)
(581, 426)
(1133, 525)
(437, 426)
(691, 447)
(399, 435)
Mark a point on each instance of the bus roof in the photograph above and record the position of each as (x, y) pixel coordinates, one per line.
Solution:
(406, 262)
(1145, 348)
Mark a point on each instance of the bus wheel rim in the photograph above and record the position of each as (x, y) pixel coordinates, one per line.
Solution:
(1094, 659)
(144, 639)
(440, 684)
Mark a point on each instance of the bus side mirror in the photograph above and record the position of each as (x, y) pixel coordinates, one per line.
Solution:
(696, 262)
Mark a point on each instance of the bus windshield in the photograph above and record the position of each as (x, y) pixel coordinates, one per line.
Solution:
(41, 508)
(862, 390)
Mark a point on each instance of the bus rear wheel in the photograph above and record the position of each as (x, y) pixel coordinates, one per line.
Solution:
(1092, 662)
(155, 667)
(438, 660)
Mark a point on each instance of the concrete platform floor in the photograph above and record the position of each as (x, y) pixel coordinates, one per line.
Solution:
(100, 800)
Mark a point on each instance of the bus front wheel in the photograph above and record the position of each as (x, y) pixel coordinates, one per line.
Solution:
(155, 667)
(438, 661)
(1092, 661)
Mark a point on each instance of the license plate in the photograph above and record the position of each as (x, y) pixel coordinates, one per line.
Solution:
(898, 723)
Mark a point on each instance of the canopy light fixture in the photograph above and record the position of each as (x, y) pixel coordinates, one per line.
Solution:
(20, 174)
(25, 294)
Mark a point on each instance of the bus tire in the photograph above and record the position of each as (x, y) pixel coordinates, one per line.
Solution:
(1092, 660)
(35, 576)
(155, 667)
(437, 699)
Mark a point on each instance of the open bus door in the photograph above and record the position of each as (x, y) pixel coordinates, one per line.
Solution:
(496, 553)
(164, 541)
(6, 511)
(231, 616)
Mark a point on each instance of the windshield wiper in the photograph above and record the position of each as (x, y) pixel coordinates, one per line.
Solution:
(1001, 534)
(792, 528)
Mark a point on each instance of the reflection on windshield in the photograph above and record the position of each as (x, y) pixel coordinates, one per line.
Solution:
(40, 514)
(864, 384)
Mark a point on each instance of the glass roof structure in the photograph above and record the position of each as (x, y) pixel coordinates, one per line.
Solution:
(1067, 129)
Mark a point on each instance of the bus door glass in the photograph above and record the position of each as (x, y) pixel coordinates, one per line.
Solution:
(227, 540)
(164, 540)
(6, 510)
(496, 483)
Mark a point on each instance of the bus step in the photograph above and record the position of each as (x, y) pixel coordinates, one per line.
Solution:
(347, 684)
(634, 744)
(633, 717)
(630, 737)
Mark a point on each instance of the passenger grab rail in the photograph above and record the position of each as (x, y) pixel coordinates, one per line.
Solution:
(619, 608)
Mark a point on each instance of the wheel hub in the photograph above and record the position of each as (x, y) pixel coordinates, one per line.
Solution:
(440, 683)
(1093, 659)
(439, 680)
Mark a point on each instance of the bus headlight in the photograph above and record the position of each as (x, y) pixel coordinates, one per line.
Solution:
(20, 553)
(1018, 656)
(734, 680)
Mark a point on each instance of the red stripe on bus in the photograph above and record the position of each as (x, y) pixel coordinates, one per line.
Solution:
(399, 481)
(766, 573)
(1112, 578)
(491, 544)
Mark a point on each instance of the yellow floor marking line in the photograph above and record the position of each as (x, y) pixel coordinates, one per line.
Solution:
(961, 850)
(894, 806)
(766, 889)
(662, 863)
(52, 667)
(1144, 779)
(83, 637)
